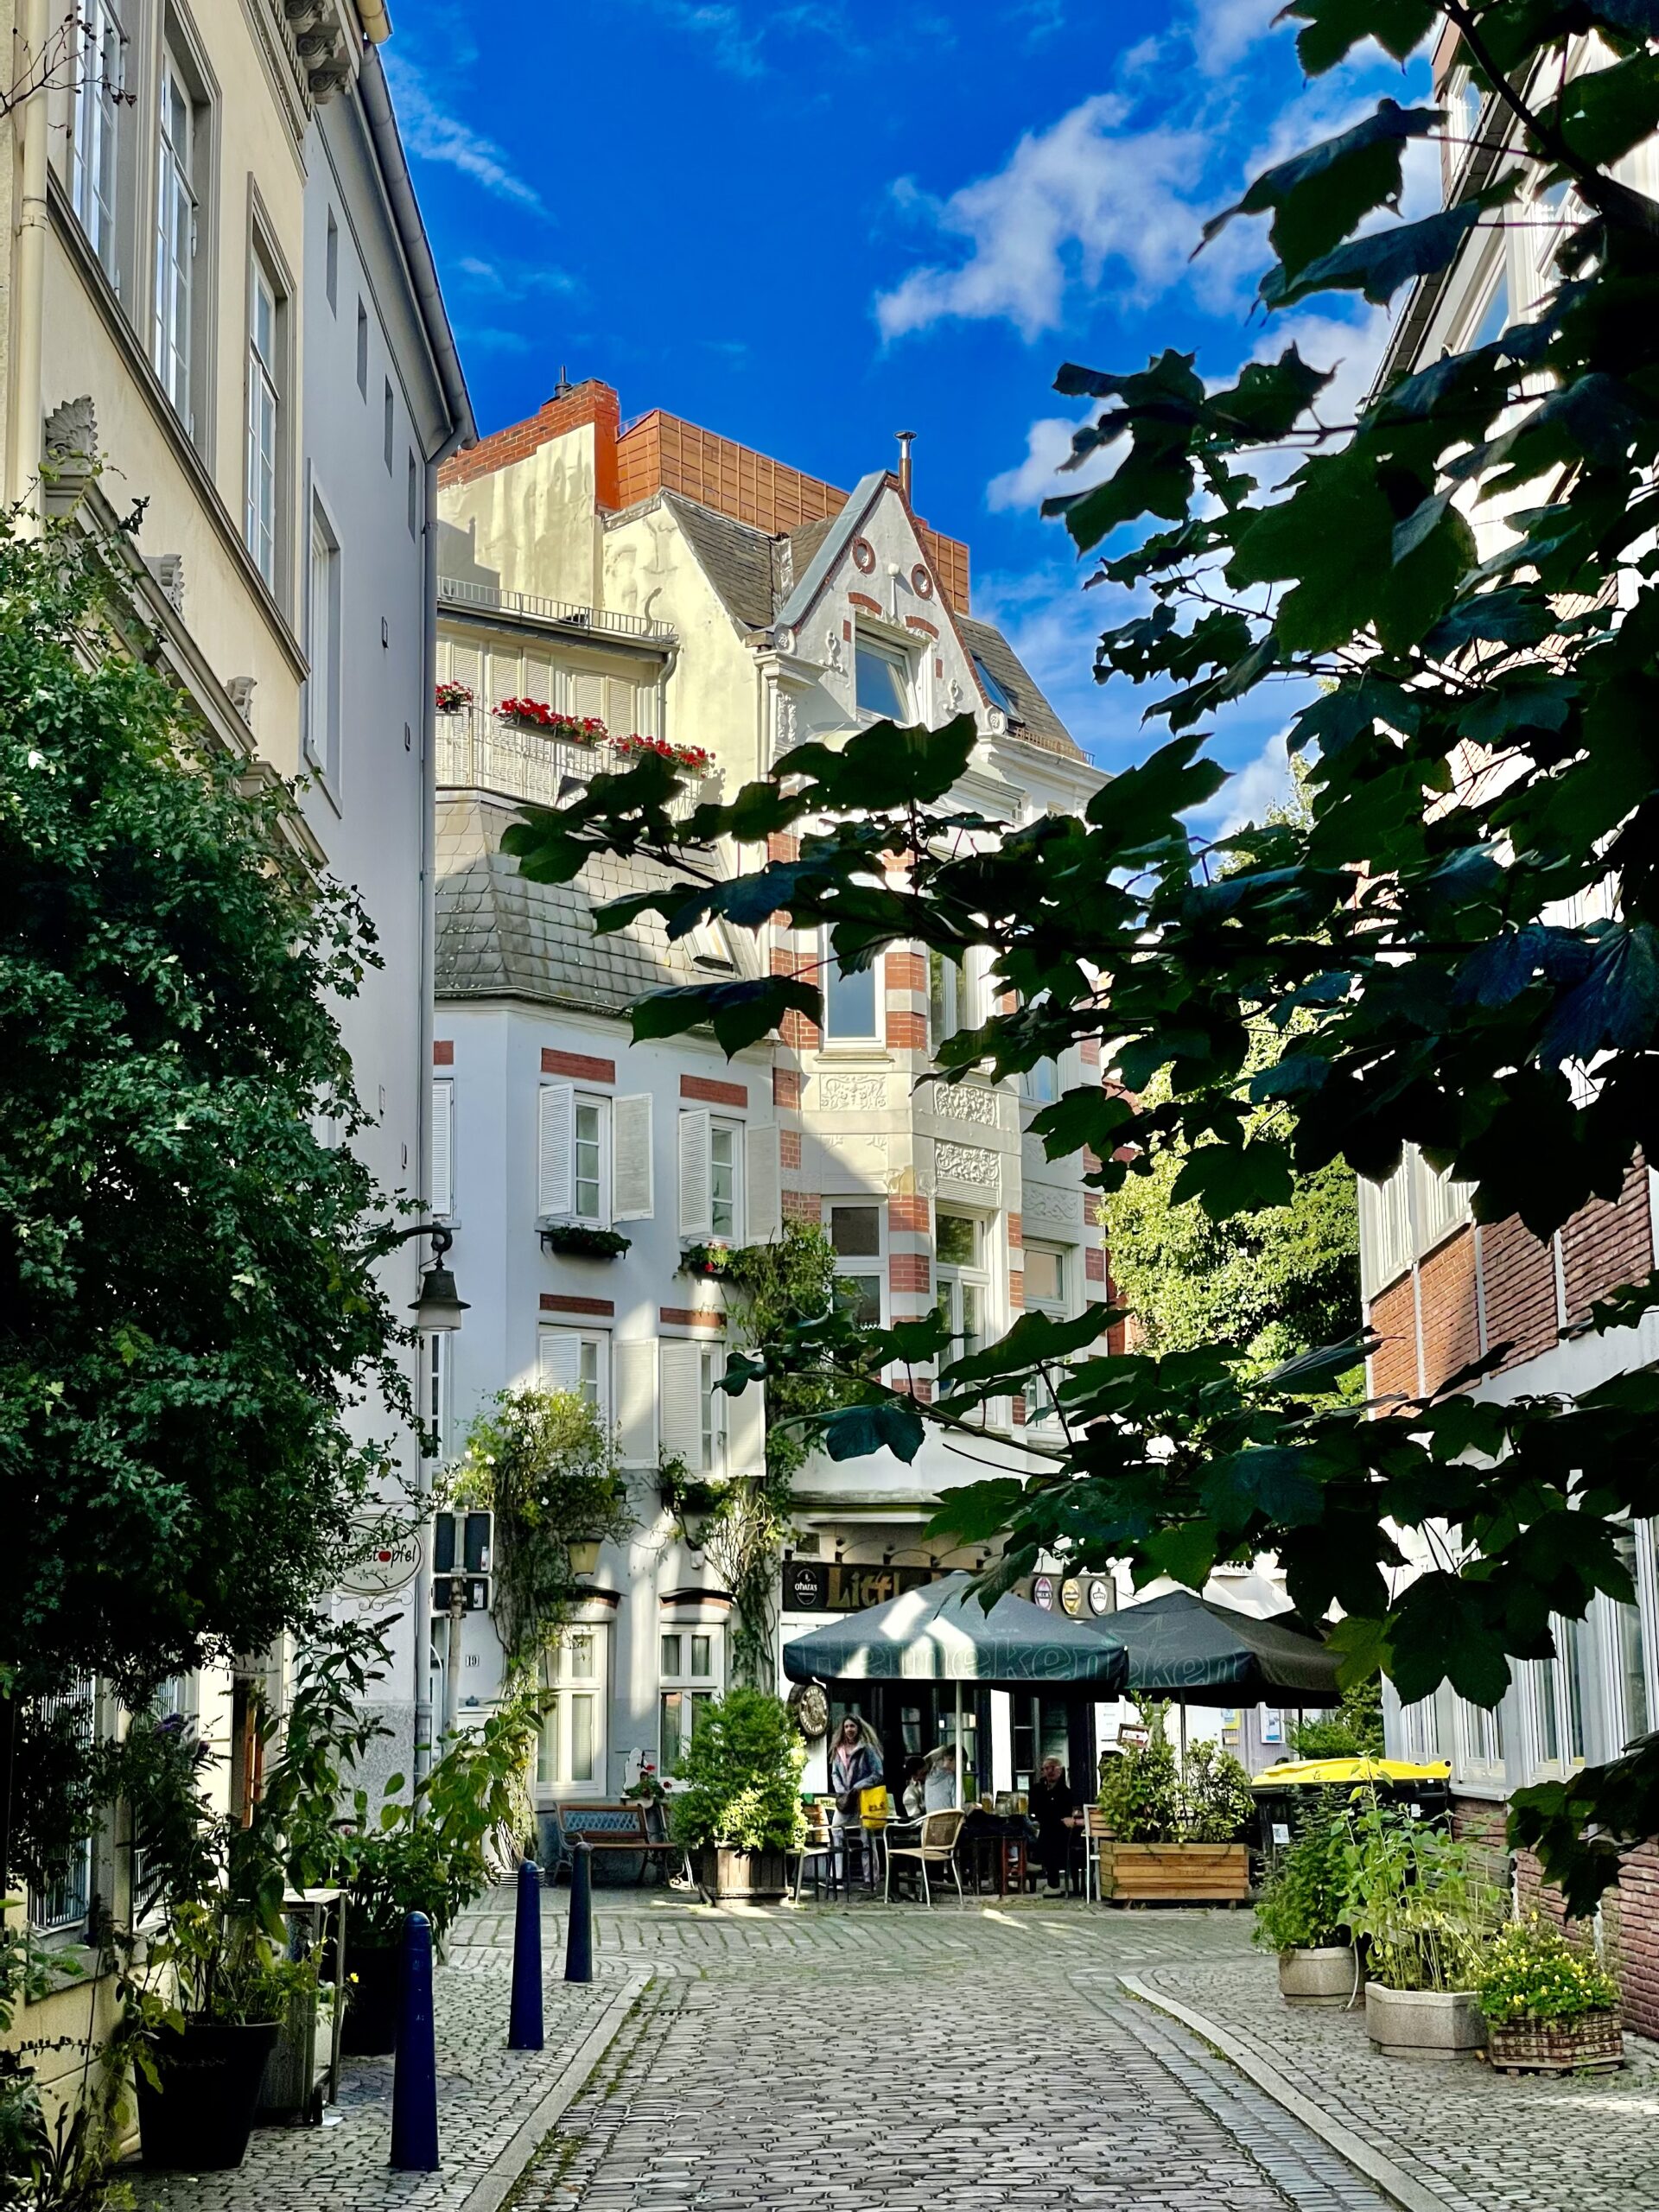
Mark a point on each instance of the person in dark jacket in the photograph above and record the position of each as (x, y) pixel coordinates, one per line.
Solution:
(1055, 1808)
(854, 1765)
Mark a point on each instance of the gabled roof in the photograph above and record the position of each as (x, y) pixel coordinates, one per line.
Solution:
(500, 935)
(734, 557)
(843, 530)
(1035, 720)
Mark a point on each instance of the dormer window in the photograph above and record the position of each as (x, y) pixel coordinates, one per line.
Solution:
(883, 681)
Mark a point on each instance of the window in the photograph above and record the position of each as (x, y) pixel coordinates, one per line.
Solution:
(952, 1001)
(1421, 1728)
(443, 1180)
(1480, 1738)
(435, 1390)
(176, 238)
(688, 1678)
(61, 1905)
(963, 1286)
(578, 1361)
(1045, 1293)
(414, 515)
(711, 1366)
(331, 266)
(1494, 319)
(260, 527)
(1040, 1085)
(711, 1178)
(1570, 1656)
(692, 1411)
(849, 998)
(883, 681)
(573, 1141)
(1546, 1714)
(570, 1757)
(362, 349)
(725, 1181)
(322, 647)
(996, 692)
(855, 1240)
(1629, 1657)
(588, 1186)
(99, 102)
(388, 425)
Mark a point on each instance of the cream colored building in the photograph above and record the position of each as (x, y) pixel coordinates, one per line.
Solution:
(220, 306)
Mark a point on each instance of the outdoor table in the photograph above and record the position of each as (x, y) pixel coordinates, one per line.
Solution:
(1005, 1840)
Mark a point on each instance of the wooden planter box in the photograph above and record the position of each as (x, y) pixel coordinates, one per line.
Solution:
(1596, 2039)
(1175, 1873)
(748, 1876)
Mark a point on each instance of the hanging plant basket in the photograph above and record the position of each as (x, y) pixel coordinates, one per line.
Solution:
(703, 1260)
(574, 1241)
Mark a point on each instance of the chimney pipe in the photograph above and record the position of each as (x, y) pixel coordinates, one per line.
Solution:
(906, 438)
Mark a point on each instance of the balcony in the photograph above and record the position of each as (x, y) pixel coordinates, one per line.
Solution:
(478, 752)
(559, 614)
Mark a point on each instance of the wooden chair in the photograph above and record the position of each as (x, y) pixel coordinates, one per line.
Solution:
(937, 1847)
(1094, 1833)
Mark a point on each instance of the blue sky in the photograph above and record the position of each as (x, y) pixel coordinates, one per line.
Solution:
(809, 225)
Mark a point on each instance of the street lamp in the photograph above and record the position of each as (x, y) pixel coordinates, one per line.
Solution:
(584, 1555)
(438, 1309)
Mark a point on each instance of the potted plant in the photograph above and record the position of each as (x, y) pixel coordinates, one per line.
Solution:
(576, 1241)
(703, 1259)
(1424, 1916)
(453, 698)
(695, 759)
(740, 1810)
(1549, 2005)
(1174, 1838)
(1302, 1914)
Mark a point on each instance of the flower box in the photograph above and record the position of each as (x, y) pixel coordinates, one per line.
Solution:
(453, 698)
(1327, 1974)
(1175, 1873)
(725, 1875)
(1593, 2040)
(576, 1241)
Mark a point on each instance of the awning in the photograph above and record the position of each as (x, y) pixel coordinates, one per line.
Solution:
(942, 1634)
(1200, 1653)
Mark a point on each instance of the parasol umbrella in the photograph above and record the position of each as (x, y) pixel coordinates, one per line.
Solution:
(942, 1633)
(1193, 1649)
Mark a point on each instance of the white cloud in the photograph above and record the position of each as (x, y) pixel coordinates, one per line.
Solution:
(432, 135)
(1048, 442)
(1223, 31)
(1251, 794)
(1083, 193)
(507, 280)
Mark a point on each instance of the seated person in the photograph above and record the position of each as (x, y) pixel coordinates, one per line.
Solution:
(913, 1802)
(939, 1780)
(1056, 1812)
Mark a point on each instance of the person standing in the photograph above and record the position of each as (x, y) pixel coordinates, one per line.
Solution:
(854, 1765)
(1055, 1808)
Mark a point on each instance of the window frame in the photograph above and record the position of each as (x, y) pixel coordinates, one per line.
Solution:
(599, 1103)
(596, 1342)
(831, 975)
(953, 1278)
(862, 1266)
(275, 378)
(711, 1365)
(362, 368)
(98, 142)
(437, 1373)
(901, 667)
(323, 596)
(388, 425)
(724, 1127)
(682, 1682)
(178, 360)
(1041, 1408)
(68, 1924)
(331, 263)
(564, 1689)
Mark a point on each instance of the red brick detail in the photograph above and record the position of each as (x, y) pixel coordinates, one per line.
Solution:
(862, 599)
(1089, 1051)
(1017, 1289)
(847, 629)
(1394, 1364)
(804, 1205)
(909, 1216)
(443, 1053)
(910, 1271)
(913, 1386)
(553, 1301)
(1090, 1160)
(1604, 1245)
(709, 1092)
(591, 402)
(797, 1033)
(1016, 1232)
(907, 1032)
(789, 1147)
(1630, 1927)
(1093, 1263)
(786, 1087)
(1517, 1275)
(927, 629)
(1480, 1824)
(906, 971)
(938, 668)
(583, 1065)
(691, 1317)
(781, 845)
(1017, 1412)
(1450, 1314)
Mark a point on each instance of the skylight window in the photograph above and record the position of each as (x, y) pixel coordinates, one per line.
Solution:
(995, 692)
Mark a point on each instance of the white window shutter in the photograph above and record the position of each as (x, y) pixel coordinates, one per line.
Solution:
(619, 707)
(696, 1213)
(746, 1431)
(443, 1147)
(555, 1147)
(587, 695)
(632, 1196)
(681, 1369)
(561, 1360)
(762, 1200)
(636, 1402)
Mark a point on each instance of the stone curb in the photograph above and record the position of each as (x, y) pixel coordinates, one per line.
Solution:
(1377, 2167)
(489, 2191)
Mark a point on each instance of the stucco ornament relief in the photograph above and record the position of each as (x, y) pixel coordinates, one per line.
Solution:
(965, 1163)
(954, 694)
(786, 721)
(964, 1101)
(1042, 1202)
(852, 1094)
(835, 659)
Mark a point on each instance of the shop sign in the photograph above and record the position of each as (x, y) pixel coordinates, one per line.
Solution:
(1071, 1595)
(1102, 1598)
(1042, 1591)
(385, 1569)
(813, 1586)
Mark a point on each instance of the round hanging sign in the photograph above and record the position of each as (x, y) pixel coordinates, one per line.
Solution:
(385, 1567)
(1100, 1596)
(811, 1708)
(1071, 1595)
(1042, 1593)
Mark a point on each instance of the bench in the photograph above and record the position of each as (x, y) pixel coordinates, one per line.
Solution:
(613, 1827)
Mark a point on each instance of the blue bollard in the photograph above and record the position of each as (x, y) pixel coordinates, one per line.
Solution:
(579, 1936)
(525, 2016)
(414, 2069)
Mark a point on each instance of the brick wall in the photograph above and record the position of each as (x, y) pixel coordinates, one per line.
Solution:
(1450, 1309)
(1630, 1922)
(592, 402)
(1517, 1275)
(1604, 1245)
(1394, 1364)
(1480, 1823)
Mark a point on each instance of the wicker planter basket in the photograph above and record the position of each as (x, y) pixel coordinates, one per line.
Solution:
(1595, 2039)
(1175, 1873)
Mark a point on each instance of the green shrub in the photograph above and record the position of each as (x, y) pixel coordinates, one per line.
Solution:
(1415, 1899)
(743, 1771)
(1305, 1903)
(1145, 1798)
(1532, 1971)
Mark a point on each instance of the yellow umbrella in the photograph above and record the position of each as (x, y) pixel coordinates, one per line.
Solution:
(1339, 1770)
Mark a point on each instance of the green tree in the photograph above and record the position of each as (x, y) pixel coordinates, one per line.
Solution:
(186, 1259)
(1422, 943)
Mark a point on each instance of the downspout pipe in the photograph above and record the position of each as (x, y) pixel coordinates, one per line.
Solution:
(29, 269)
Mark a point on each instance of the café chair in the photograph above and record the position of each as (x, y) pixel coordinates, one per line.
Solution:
(936, 1847)
(821, 1847)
